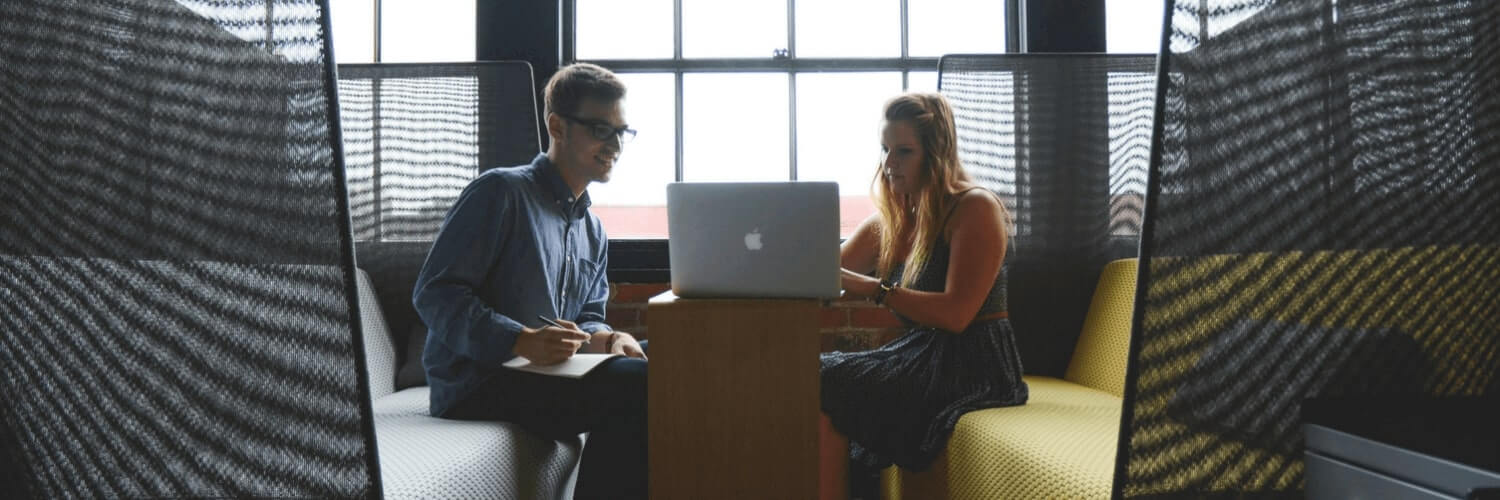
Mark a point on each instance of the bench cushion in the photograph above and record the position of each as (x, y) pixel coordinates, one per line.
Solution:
(1104, 344)
(425, 457)
(1060, 444)
(380, 351)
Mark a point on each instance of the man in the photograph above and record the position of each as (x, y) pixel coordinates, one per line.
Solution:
(518, 248)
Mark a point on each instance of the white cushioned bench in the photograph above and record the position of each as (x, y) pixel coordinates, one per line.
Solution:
(424, 457)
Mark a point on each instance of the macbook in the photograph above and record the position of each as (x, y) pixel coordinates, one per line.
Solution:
(754, 239)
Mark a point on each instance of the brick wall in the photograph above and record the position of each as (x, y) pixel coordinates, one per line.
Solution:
(846, 325)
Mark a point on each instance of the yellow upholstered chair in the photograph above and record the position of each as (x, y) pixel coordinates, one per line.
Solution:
(1061, 443)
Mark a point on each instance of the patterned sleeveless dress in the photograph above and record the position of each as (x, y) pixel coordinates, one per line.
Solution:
(898, 404)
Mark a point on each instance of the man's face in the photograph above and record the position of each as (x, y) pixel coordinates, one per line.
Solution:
(586, 155)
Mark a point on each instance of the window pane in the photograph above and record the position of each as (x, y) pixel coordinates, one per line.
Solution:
(611, 29)
(922, 81)
(353, 30)
(956, 26)
(426, 30)
(743, 28)
(1133, 26)
(633, 203)
(838, 135)
(848, 28)
(734, 127)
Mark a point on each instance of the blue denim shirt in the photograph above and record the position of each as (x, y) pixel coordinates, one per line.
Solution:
(516, 245)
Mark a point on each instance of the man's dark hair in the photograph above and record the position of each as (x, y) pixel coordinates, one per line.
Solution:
(578, 81)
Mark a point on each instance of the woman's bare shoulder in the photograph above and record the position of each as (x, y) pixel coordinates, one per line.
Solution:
(977, 206)
(977, 198)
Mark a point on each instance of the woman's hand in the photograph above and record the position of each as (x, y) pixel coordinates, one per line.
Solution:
(857, 284)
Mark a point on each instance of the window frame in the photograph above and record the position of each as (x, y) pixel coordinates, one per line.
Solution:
(646, 260)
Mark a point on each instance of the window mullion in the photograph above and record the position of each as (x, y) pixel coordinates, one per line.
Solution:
(677, 30)
(678, 121)
(1014, 26)
(569, 19)
(377, 30)
(905, 32)
(791, 28)
(677, 74)
(905, 50)
(791, 98)
(791, 79)
(769, 65)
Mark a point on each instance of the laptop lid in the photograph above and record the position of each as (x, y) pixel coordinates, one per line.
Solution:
(754, 239)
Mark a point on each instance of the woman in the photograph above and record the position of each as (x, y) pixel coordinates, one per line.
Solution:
(936, 249)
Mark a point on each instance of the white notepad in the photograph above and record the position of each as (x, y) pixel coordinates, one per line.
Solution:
(574, 367)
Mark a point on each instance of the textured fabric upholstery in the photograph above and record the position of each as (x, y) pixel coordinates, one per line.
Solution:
(380, 351)
(1324, 223)
(1238, 329)
(177, 291)
(1104, 346)
(1061, 443)
(416, 134)
(423, 457)
(393, 267)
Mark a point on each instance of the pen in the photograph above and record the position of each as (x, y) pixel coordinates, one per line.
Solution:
(554, 323)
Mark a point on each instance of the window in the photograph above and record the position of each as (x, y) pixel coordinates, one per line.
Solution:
(409, 30)
(1133, 26)
(760, 90)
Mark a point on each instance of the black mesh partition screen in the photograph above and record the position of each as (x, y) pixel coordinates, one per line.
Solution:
(176, 289)
(416, 134)
(1323, 221)
(1065, 140)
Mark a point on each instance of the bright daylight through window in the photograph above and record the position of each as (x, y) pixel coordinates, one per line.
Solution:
(749, 114)
(736, 91)
(410, 30)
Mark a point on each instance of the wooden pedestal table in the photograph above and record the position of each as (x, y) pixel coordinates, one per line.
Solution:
(733, 398)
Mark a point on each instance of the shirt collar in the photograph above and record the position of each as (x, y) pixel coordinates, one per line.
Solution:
(552, 182)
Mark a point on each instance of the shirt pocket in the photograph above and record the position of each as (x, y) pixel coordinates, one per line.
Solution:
(583, 276)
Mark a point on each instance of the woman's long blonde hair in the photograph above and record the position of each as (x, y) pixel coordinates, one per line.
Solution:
(918, 216)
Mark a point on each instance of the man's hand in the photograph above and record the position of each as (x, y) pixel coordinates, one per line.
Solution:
(626, 344)
(549, 344)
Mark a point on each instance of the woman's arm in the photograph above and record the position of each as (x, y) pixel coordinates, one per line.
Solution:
(860, 251)
(977, 250)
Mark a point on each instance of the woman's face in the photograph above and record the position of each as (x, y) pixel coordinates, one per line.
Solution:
(902, 163)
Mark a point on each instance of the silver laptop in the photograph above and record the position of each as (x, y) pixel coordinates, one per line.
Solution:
(754, 239)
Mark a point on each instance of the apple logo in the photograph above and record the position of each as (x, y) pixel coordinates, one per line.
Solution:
(752, 239)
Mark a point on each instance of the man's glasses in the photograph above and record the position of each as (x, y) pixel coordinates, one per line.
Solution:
(603, 131)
